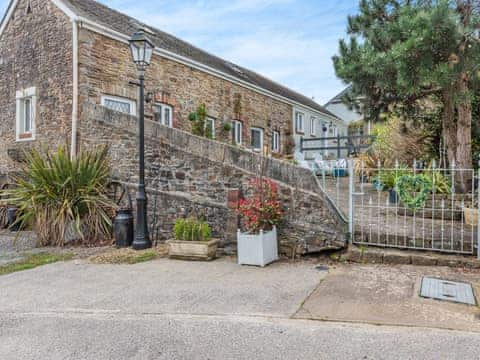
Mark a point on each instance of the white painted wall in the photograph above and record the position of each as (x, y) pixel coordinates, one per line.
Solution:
(337, 127)
(343, 112)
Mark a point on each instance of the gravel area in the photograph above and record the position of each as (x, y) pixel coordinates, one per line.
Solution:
(16, 246)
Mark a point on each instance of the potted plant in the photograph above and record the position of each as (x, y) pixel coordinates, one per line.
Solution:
(193, 241)
(387, 180)
(261, 213)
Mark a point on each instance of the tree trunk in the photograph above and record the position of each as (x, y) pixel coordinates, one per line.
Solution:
(464, 137)
(449, 126)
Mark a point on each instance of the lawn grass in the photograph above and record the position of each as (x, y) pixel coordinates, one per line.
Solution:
(33, 261)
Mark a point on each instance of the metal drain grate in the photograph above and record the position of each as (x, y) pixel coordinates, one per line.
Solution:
(448, 291)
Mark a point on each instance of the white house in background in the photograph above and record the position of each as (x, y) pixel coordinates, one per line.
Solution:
(308, 125)
(341, 109)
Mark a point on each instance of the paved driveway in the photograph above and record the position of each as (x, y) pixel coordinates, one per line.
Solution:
(163, 286)
(184, 310)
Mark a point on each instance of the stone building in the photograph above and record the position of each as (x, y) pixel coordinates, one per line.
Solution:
(66, 78)
(58, 55)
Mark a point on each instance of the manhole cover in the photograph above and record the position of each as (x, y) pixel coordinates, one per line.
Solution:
(448, 291)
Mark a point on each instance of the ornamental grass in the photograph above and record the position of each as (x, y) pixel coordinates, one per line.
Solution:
(64, 198)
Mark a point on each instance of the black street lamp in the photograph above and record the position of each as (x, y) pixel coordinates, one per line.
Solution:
(142, 50)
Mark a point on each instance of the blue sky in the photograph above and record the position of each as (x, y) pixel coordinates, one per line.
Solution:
(289, 41)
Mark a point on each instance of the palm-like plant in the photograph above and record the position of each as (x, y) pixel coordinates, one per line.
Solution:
(60, 195)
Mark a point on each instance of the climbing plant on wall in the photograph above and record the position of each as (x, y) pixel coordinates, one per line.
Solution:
(198, 120)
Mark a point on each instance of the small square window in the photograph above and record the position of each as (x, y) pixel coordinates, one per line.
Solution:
(210, 128)
(164, 114)
(257, 139)
(119, 104)
(299, 122)
(237, 129)
(313, 128)
(25, 114)
(276, 142)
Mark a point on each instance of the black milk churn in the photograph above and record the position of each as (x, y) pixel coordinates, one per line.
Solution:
(123, 228)
(12, 219)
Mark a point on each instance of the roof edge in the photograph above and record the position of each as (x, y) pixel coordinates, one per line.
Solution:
(13, 5)
(111, 33)
(115, 35)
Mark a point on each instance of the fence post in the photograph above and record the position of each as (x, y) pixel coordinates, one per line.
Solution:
(338, 147)
(351, 190)
(478, 209)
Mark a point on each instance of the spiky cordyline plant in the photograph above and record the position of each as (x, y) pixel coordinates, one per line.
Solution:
(58, 195)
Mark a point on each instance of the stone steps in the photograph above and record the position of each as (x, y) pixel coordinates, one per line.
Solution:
(371, 255)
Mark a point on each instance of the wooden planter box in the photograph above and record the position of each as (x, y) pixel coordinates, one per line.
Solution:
(257, 249)
(193, 250)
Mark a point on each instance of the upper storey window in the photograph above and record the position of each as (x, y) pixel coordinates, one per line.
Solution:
(25, 114)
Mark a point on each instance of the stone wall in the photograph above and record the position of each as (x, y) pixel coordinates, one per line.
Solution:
(36, 51)
(106, 68)
(187, 174)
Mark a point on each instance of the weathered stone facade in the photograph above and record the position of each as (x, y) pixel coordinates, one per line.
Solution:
(187, 174)
(106, 69)
(36, 51)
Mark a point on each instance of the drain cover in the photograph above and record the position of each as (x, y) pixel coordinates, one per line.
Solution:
(447, 290)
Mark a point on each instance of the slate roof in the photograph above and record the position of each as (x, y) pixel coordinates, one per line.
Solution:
(124, 24)
(339, 98)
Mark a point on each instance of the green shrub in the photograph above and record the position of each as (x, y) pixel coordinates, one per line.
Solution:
(388, 178)
(198, 120)
(59, 195)
(227, 127)
(192, 230)
(440, 183)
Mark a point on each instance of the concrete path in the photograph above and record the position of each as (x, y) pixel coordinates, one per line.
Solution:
(186, 310)
(162, 286)
(389, 295)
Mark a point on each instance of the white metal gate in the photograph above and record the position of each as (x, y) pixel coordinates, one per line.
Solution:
(417, 207)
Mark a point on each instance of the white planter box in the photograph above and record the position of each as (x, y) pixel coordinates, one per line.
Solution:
(257, 249)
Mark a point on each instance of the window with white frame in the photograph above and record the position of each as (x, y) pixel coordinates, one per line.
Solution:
(119, 104)
(299, 122)
(256, 141)
(276, 142)
(313, 129)
(163, 114)
(237, 129)
(25, 114)
(210, 128)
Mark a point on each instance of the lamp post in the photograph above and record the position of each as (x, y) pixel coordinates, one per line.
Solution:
(142, 50)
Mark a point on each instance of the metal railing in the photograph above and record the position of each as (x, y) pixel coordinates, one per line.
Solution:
(421, 208)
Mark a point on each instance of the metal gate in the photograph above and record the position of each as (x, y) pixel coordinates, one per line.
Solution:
(418, 207)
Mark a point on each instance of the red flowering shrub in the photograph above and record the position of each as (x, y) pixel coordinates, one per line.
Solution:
(262, 210)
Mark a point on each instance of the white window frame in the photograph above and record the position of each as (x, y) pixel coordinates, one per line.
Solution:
(212, 120)
(21, 96)
(133, 104)
(313, 127)
(252, 129)
(276, 142)
(299, 122)
(237, 126)
(163, 107)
